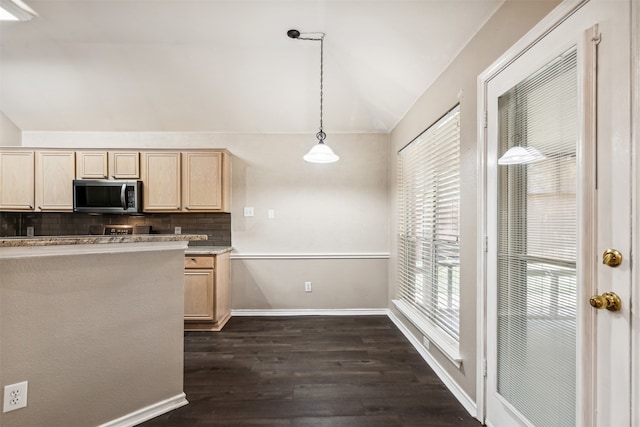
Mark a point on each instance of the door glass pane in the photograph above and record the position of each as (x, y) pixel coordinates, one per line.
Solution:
(537, 246)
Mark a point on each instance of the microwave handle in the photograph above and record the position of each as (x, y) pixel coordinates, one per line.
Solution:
(123, 196)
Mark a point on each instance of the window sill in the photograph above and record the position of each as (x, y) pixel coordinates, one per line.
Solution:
(447, 346)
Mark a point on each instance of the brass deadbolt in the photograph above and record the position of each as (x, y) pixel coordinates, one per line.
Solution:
(612, 258)
(608, 300)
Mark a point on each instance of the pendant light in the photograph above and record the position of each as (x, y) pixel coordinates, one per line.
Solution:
(321, 152)
(521, 156)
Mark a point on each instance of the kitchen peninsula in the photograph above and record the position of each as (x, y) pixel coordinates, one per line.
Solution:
(95, 325)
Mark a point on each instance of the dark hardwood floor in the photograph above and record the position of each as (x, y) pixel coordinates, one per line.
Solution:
(310, 371)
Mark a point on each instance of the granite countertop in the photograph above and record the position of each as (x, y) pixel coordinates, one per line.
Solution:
(207, 250)
(21, 241)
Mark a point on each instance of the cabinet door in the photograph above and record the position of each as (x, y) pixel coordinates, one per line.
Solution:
(91, 164)
(124, 165)
(161, 176)
(223, 292)
(198, 295)
(55, 171)
(202, 181)
(17, 190)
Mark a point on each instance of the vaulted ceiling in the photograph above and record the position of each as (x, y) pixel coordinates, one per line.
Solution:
(227, 65)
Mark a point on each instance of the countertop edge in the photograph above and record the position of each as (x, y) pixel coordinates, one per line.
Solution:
(207, 250)
(39, 241)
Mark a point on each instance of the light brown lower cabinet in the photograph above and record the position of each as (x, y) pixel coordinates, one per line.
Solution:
(207, 304)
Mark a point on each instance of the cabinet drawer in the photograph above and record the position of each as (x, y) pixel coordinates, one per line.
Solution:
(195, 261)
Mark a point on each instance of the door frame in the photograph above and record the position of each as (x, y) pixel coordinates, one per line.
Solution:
(635, 210)
(548, 24)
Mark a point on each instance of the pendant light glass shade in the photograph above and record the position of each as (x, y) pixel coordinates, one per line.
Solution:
(321, 153)
(521, 156)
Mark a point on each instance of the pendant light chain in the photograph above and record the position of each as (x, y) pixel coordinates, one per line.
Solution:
(321, 135)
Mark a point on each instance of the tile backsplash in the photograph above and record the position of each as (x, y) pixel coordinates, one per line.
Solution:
(217, 226)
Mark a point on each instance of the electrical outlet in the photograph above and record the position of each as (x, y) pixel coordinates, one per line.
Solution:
(177, 230)
(307, 286)
(248, 211)
(15, 396)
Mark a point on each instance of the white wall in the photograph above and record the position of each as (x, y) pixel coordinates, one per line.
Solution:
(458, 84)
(10, 135)
(336, 214)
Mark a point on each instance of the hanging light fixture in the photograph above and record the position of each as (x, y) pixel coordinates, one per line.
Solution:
(521, 156)
(320, 153)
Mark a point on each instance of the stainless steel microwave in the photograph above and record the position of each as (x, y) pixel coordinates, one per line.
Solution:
(107, 196)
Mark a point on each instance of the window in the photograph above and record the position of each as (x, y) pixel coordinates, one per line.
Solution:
(429, 233)
(537, 246)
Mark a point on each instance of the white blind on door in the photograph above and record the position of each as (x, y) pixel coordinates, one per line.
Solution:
(537, 228)
(429, 203)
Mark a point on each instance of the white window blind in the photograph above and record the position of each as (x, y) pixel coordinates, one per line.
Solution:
(429, 232)
(537, 229)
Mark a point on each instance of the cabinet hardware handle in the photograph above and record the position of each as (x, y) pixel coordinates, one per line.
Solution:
(123, 196)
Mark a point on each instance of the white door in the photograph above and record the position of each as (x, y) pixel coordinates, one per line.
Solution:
(562, 98)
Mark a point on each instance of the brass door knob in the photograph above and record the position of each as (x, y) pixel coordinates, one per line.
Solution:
(608, 300)
(612, 258)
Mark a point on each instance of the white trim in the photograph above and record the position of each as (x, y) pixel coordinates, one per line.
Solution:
(313, 312)
(444, 376)
(80, 249)
(635, 208)
(556, 17)
(482, 247)
(448, 347)
(586, 275)
(148, 412)
(275, 256)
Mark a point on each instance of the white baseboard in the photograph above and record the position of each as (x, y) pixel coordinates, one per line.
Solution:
(307, 256)
(444, 376)
(313, 312)
(149, 412)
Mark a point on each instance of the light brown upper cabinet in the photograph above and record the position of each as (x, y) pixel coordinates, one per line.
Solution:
(17, 183)
(91, 165)
(187, 181)
(161, 177)
(202, 181)
(124, 164)
(107, 165)
(55, 171)
(173, 180)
